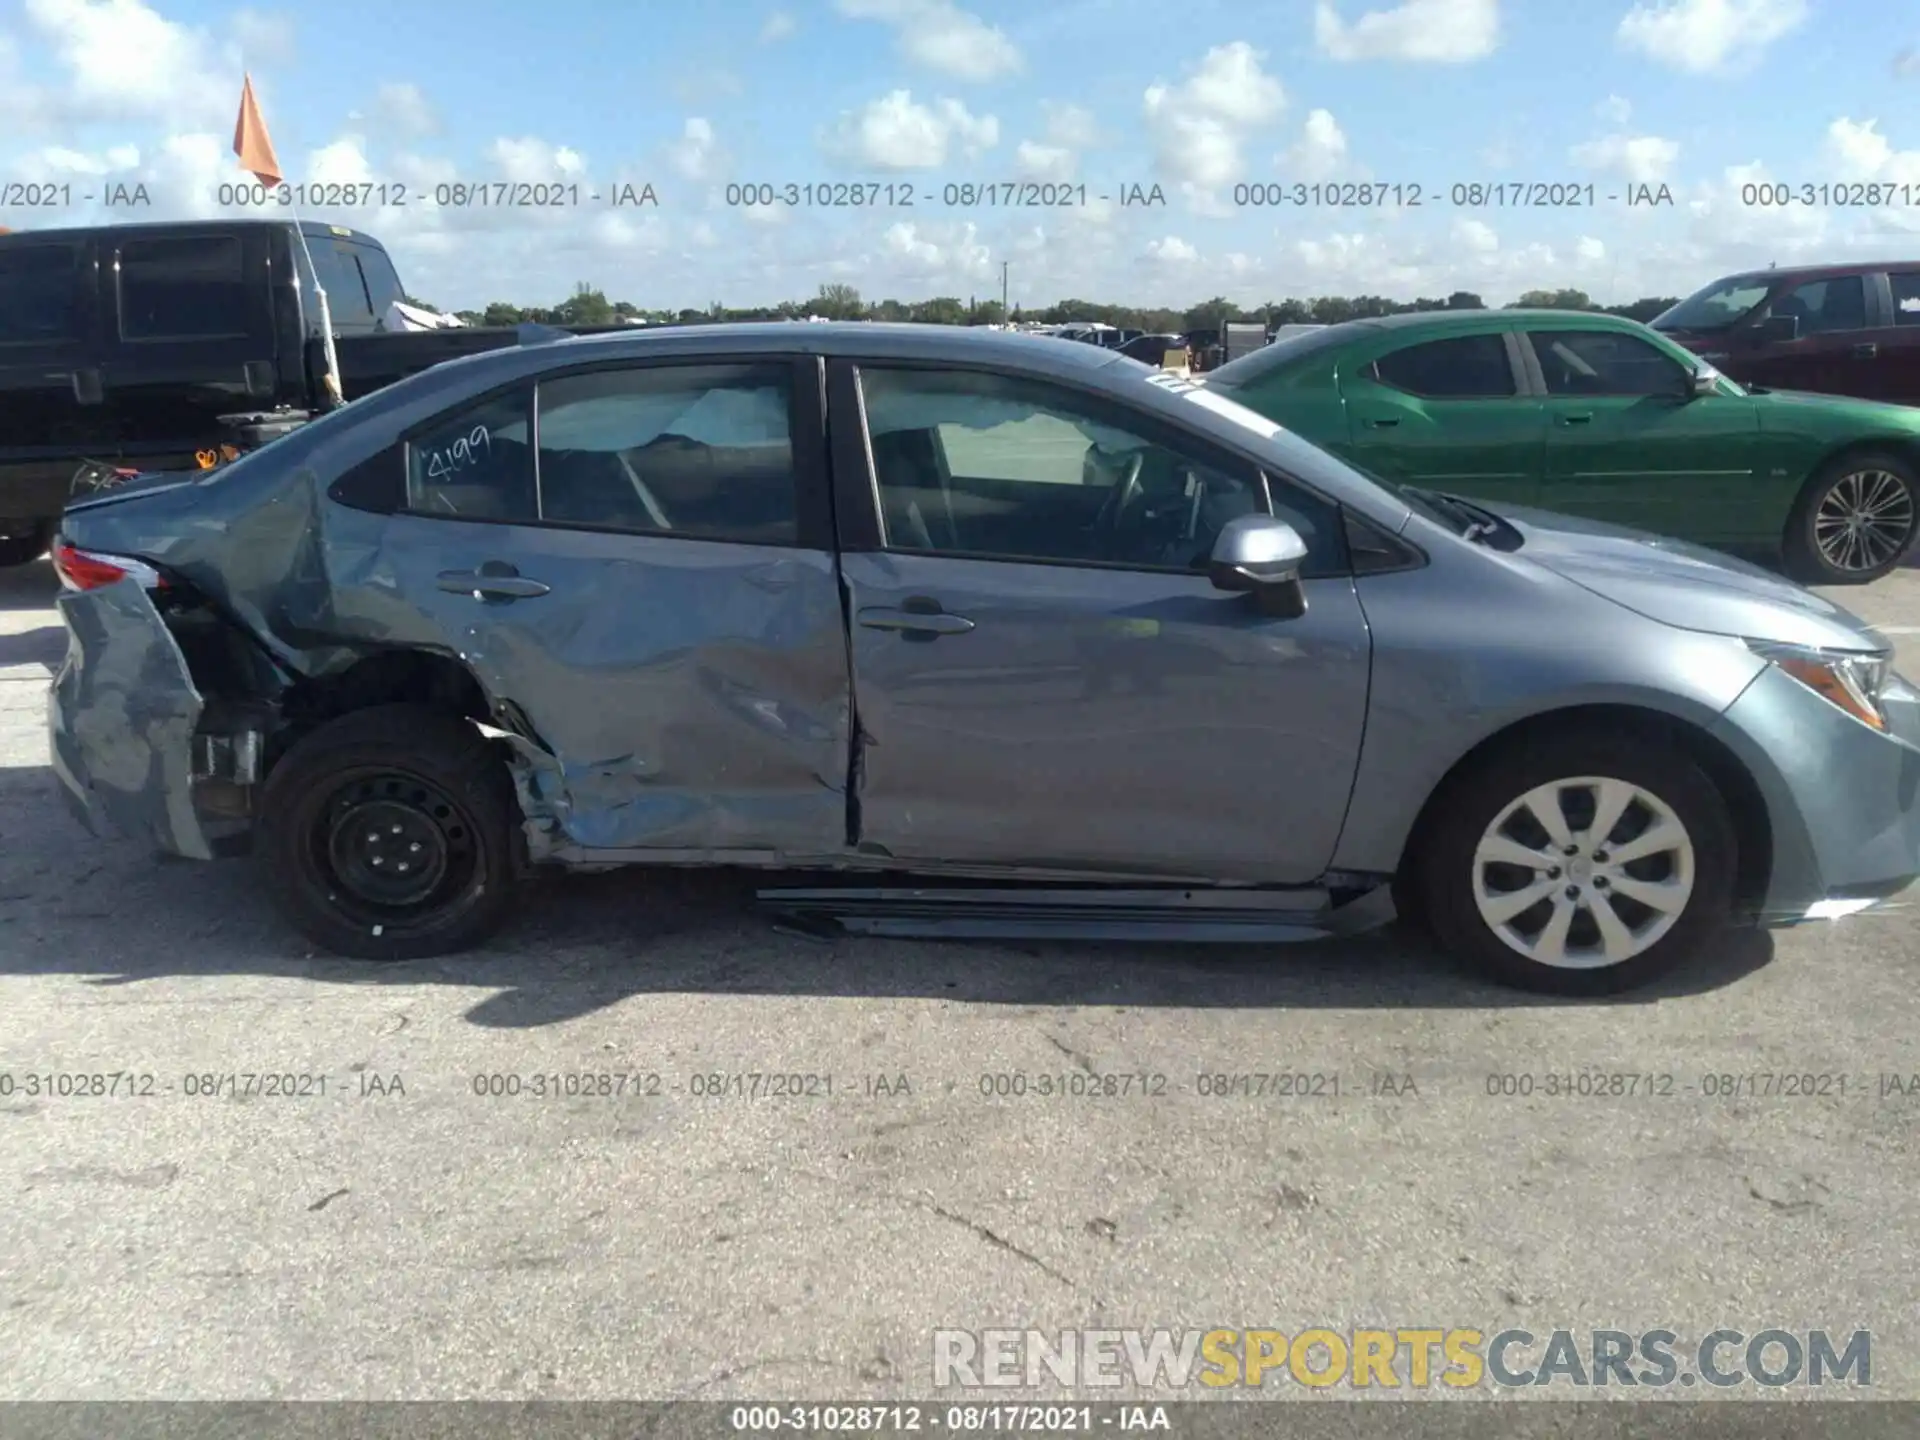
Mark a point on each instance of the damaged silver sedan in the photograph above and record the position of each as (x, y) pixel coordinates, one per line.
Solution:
(994, 635)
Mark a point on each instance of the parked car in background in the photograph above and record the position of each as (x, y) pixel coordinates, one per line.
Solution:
(1155, 349)
(1835, 329)
(133, 344)
(1067, 645)
(1597, 416)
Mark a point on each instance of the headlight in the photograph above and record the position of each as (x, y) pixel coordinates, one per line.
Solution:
(1853, 680)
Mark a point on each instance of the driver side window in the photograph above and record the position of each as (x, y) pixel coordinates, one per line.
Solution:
(1002, 468)
(1604, 362)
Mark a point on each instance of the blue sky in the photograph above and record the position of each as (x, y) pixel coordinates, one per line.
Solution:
(1705, 97)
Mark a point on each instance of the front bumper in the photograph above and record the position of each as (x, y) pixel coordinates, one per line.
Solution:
(121, 718)
(1843, 799)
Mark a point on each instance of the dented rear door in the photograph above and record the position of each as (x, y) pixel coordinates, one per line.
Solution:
(635, 561)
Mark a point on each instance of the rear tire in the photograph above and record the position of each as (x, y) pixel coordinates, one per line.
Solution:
(391, 833)
(1854, 522)
(26, 546)
(1659, 907)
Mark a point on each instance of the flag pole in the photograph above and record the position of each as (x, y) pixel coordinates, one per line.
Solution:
(255, 149)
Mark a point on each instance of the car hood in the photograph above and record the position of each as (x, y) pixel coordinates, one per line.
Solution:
(1685, 586)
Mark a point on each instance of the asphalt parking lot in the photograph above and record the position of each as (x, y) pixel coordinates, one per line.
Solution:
(402, 1236)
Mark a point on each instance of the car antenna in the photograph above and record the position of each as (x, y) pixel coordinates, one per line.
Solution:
(533, 334)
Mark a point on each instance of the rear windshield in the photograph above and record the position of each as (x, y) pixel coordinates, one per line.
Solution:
(1236, 374)
(39, 293)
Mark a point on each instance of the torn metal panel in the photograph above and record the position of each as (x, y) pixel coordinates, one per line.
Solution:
(122, 715)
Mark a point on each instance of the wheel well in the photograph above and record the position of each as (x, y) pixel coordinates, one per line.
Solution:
(1746, 807)
(388, 677)
(1901, 446)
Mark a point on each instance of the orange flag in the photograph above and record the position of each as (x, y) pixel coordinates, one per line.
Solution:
(250, 140)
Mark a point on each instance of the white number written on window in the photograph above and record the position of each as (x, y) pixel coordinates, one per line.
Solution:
(467, 450)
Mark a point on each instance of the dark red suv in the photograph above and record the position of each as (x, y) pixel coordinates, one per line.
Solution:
(1836, 329)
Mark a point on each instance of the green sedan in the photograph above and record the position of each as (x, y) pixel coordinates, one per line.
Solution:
(1597, 416)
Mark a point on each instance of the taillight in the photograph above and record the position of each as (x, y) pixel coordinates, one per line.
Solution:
(84, 570)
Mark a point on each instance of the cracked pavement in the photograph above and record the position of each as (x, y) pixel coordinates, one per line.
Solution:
(402, 1236)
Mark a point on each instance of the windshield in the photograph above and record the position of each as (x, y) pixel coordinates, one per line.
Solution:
(1717, 307)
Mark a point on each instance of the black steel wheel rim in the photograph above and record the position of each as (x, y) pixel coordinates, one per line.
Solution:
(395, 849)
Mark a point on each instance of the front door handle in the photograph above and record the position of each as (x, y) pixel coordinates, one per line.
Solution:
(1576, 419)
(1383, 424)
(917, 618)
(494, 580)
(1866, 350)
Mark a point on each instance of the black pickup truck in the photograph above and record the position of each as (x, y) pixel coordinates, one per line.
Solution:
(138, 345)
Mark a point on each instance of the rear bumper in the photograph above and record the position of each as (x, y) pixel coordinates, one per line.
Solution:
(1843, 799)
(121, 718)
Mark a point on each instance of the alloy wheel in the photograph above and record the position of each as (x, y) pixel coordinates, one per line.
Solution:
(1583, 872)
(1864, 520)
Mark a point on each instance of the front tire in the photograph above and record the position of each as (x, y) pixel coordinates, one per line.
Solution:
(1855, 521)
(1580, 864)
(391, 834)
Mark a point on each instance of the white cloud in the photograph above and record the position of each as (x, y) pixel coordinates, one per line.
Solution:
(1589, 250)
(1321, 151)
(1172, 251)
(942, 37)
(124, 60)
(530, 161)
(1476, 236)
(895, 132)
(1447, 32)
(696, 153)
(1199, 126)
(263, 38)
(1615, 110)
(403, 108)
(1704, 36)
(1055, 156)
(1638, 158)
(1861, 152)
(344, 162)
(777, 27)
(942, 253)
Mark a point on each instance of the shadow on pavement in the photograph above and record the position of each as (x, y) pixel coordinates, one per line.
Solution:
(107, 910)
(28, 587)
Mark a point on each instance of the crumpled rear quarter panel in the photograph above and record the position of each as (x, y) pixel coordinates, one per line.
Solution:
(121, 718)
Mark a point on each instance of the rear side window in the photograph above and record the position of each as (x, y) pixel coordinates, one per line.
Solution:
(347, 304)
(1906, 297)
(1468, 367)
(383, 286)
(39, 294)
(182, 288)
(476, 463)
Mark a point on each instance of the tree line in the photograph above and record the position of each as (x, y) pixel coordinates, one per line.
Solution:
(588, 305)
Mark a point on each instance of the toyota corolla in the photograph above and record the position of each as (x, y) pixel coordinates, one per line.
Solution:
(988, 636)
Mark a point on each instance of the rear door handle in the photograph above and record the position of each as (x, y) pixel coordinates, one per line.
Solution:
(917, 618)
(1867, 350)
(495, 580)
(1576, 419)
(1383, 424)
